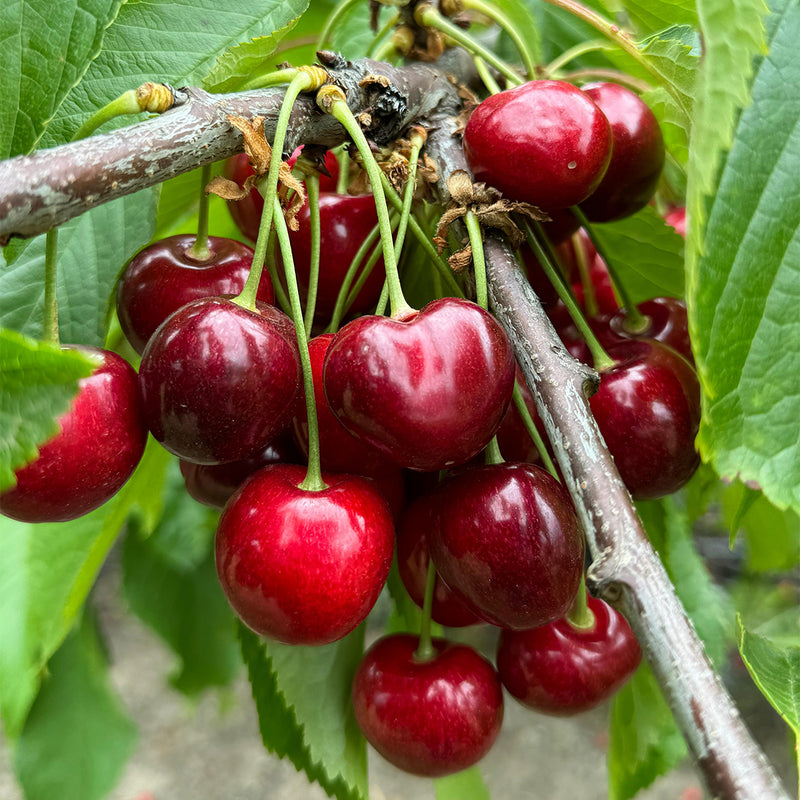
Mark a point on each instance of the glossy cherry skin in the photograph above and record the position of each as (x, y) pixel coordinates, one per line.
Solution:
(163, 276)
(101, 441)
(430, 390)
(430, 718)
(560, 669)
(219, 382)
(247, 212)
(648, 411)
(507, 541)
(545, 142)
(412, 564)
(304, 567)
(637, 156)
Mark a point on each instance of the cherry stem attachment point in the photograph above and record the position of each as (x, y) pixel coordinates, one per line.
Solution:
(426, 651)
(313, 481)
(492, 454)
(312, 188)
(533, 431)
(580, 616)
(199, 250)
(50, 326)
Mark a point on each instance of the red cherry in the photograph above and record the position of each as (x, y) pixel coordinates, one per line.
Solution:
(412, 564)
(512, 435)
(432, 717)
(345, 221)
(560, 669)
(163, 277)
(545, 142)
(101, 441)
(648, 410)
(429, 390)
(507, 541)
(247, 212)
(219, 382)
(637, 155)
(677, 218)
(304, 567)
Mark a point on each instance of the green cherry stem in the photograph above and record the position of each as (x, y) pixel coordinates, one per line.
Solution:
(635, 321)
(199, 250)
(492, 11)
(272, 269)
(312, 187)
(492, 454)
(275, 77)
(344, 172)
(425, 650)
(313, 481)
(602, 361)
(589, 294)
(478, 259)
(614, 75)
(483, 73)
(533, 431)
(50, 326)
(417, 140)
(580, 616)
(383, 301)
(575, 52)
(331, 99)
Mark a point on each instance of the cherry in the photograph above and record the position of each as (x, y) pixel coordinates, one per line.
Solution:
(544, 142)
(431, 717)
(101, 441)
(345, 221)
(507, 541)
(218, 381)
(429, 390)
(637, 156)
(570, 336)
(412, 564)
(164, 276)
(562, 669)
(247, 212)
(512, 435)
(677, 218)
(648, 410)
(299, 566)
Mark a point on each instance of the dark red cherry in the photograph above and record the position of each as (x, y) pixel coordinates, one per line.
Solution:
(412, 563)
(429, 390)
(512, 435)
(345, 221)
(101, 441)
(637, 156)
(648, 410)
(219, 382)
(560, 226)
(304, 567)
(560, 669)
(432, 717)
(568, 333)
(164, 276)
(677, 218)
(247, 212)
(507, 541)
(545, 142)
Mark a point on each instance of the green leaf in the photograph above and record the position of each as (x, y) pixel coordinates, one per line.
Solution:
(92, 250)
(180, 42)
(305, 713)
(235, 65)
(47, 48)
(674, 54)
(352, 35)
(647, 253)
(465, 785)
(644, 740)
(742, 291)
(650, 16)
(186, 608)
(706, 604)
(523, 21)
(46, 573)
(38, 383)
(78, 736)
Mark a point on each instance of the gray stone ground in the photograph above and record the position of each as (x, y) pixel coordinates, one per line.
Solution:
(212, 751)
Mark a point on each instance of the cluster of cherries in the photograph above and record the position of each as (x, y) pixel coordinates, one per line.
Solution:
(220, 386)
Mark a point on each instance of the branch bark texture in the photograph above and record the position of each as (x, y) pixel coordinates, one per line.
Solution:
(47, 188)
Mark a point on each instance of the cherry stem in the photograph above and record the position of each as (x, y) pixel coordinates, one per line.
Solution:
(364, 274)
(269, 189)
(333, 18)
(602, 361)
(340, 111)
(425, 651)
(533, 431)
(478, 259)
(344, 172)
(589, 294)
(275, 77)
(492, 454)
(313, 481)
(424, 240)
(428, 17)
(483, 72)
(123, 105)
(494, 13)
(383, 300)
(575, 52)
(373, 48)
(615, 75)
(199, 250)
(386, 51)
(50, 325)
(272, 269)
(312, 187)
(417, 140)
(580, 616)
(635, 321)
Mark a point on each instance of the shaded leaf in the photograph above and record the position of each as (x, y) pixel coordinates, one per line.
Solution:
(465, 785)
(650, 16)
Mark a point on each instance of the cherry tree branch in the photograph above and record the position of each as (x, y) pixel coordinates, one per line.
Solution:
(45, 189)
